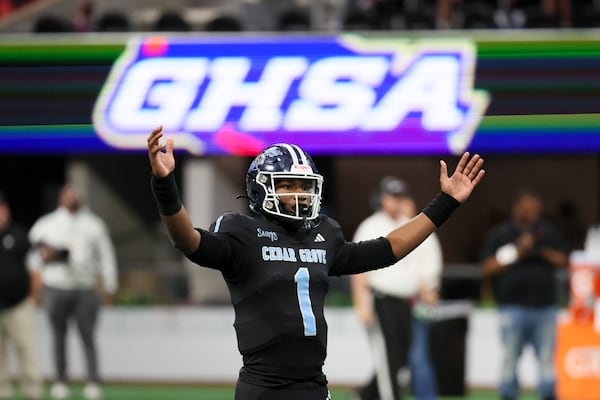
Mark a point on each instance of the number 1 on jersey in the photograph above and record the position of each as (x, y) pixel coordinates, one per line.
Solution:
(302, 278)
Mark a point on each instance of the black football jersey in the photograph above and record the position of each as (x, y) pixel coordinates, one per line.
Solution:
(278, 280)
(14, 276)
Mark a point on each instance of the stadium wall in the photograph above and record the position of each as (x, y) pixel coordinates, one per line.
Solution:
(197, 345)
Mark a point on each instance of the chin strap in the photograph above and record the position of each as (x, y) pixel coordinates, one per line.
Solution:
(305, 223)
(304, 212)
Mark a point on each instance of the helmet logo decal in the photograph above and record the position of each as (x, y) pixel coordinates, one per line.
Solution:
(301, 169)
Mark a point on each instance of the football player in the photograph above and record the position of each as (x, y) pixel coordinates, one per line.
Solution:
(277, 261)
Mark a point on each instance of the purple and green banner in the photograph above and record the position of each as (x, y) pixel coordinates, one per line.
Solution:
(332, 95)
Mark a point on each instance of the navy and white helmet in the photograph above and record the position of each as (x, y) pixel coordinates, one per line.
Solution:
(278, 162)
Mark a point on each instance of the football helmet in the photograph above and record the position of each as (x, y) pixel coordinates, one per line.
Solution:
(284, 162)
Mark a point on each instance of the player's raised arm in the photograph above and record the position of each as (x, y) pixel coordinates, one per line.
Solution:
(455, 190)
(164, 188)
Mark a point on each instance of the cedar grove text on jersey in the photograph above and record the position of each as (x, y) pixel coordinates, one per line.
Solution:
(274, 253)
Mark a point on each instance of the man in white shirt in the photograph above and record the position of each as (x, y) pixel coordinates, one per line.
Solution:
(72, 248)
(385, 300)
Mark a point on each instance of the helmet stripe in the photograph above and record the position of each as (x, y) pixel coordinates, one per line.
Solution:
(293, 153)
(218, 223)
(302, 154)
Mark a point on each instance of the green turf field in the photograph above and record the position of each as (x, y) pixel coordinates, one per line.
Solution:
(152, 392)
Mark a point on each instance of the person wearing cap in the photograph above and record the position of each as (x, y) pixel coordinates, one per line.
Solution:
(72, 249)
(396, 304)
(17, 310)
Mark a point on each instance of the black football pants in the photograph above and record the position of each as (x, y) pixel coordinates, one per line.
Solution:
(390, 339)
(246, 391)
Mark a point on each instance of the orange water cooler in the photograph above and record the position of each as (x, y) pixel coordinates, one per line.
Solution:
(577, 356)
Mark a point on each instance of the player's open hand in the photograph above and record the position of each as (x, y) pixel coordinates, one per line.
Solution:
(466, 176)
(161, 156)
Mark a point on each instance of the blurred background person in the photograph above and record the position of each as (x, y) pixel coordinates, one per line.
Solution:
(17, 311)
(83, 20)
(383, 299)
(72, 248)
(521, 256)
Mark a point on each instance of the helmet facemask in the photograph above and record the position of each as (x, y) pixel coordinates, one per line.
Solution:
(305, 205)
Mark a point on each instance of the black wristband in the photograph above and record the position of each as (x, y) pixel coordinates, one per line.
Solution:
(441, 208)
(166, 194)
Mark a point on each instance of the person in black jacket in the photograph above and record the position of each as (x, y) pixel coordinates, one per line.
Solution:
(277, 261)
(521, 256)
(17, 316)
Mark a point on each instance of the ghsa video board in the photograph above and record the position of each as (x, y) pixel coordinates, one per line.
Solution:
(338, 94)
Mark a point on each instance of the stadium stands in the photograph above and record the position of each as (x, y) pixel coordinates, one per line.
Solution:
(9, 6)
(293, 15)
